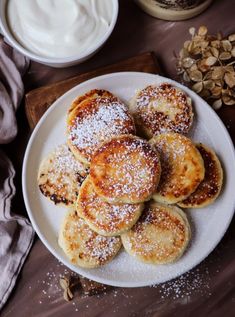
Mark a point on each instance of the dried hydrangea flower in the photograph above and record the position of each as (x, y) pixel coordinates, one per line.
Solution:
(207, 64)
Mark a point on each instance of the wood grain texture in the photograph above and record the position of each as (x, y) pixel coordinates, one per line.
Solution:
(39, 100)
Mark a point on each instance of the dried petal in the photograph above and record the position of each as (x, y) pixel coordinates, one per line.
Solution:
(225, 56)
(217, 73)
(186, 44)
(192, 31)
(205, 94)
(215, 51)
(229, 78)
(195, 75)
(217, 104)
(208, 84)
(233, 51)
(196, 49)
(188, 62)
(211, 61)
(197, 87)
(228, 100)
(202, 30)
(219, 36)
(231, 37)
(70, 294)
(183, 53)
(229, 68)
(186, 77)
(203, 67)
(227, 46)
(64, 283)
(67, 295)
(215, 44)
(204, 44)
(208, 75)
(193, 67)
(216, 92)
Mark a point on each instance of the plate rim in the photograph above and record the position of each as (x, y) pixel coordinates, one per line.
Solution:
(30, 213)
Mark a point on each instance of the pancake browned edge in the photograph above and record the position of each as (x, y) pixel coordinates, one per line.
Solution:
(95, 118)
(182, 167)
(102, 217)
(162, 108)
(60, 176)
(209, 189)
(160, 236)
(83, 246)
(125, 169)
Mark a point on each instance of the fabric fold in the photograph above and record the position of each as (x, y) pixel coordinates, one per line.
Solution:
(16, 232)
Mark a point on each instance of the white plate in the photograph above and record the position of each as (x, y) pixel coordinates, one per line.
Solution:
(208, 224)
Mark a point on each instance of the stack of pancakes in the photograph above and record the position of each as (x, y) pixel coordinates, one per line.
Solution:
(122, 189)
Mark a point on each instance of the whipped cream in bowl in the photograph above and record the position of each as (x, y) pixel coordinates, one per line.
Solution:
(58, 32)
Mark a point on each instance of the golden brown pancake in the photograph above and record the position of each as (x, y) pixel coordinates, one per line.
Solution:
(182, 167)
(209, 189)
(125, 169)
(162, 108)
(83, 246)
(102, 217)
(160, 236)
(61, 175)
(98, 116)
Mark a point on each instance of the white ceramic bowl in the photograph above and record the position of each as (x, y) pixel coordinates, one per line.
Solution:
(55, 62)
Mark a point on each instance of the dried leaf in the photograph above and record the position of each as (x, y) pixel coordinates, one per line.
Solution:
(227, 46)
(229, 78)
(217, 104)
(197, 87)
(225, 56)
(195, 75)
(202, 31)
(211, 61)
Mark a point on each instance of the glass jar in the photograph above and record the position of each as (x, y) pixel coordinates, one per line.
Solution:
(173, 10)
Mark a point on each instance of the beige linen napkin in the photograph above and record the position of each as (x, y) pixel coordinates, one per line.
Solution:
(16, 233)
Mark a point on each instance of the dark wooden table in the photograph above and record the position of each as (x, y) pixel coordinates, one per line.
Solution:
(209, 289)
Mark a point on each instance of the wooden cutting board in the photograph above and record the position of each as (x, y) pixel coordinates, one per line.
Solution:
(39, 100)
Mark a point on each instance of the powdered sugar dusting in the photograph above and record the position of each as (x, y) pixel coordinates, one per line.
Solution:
(132, 169)
(164, 108)
(105, 118)
(83, 244)
(107, 218)
(61, 175)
